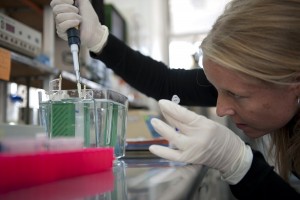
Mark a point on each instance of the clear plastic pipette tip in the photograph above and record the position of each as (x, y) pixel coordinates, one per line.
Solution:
(75, 50)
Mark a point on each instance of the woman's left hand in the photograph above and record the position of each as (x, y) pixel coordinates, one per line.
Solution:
(201, 141)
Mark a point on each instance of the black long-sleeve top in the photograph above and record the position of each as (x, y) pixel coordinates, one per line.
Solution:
(156, 80)
(261, 182)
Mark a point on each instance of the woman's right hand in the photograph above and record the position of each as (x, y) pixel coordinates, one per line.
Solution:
(67, 15)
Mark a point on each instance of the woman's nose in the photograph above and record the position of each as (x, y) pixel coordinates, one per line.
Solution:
(224, 107)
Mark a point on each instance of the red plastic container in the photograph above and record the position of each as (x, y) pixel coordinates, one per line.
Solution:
(25, 170)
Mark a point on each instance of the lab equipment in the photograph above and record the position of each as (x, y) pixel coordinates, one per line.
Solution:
(19, 37)
(175, 99)
(74, 43)
(97, 116)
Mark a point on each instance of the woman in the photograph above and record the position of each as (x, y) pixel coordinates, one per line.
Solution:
(251, 56)
(260, 38)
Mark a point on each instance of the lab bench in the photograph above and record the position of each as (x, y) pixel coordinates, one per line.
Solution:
(134, 179)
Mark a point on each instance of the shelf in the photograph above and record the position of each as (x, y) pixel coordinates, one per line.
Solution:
(21, 63)
(26, 71)
(30, 72)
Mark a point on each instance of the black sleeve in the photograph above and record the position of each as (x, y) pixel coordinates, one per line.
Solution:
(261, 182)
(154, 78)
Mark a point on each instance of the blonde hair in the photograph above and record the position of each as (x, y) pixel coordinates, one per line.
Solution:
(261, 38)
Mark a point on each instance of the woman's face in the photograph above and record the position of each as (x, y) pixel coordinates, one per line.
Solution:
(256, 107)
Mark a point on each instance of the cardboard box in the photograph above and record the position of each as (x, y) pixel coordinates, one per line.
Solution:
(137, 127)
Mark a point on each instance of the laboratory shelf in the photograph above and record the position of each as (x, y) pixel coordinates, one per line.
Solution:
(30, 72)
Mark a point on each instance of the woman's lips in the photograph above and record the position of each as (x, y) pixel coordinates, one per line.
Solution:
(241, 126)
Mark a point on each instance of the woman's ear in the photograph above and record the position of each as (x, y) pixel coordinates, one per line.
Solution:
(297, 84)
(296, 87)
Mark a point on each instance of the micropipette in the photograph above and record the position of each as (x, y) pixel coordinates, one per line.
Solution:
(74, 43)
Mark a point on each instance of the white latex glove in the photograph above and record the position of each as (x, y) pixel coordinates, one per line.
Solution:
(92, 34)
(201, 141)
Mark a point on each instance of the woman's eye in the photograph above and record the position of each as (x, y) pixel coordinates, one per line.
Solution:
(234, 95)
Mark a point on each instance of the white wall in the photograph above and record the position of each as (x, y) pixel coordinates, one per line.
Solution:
(148, 30)
(192, 17)
(147, 24)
